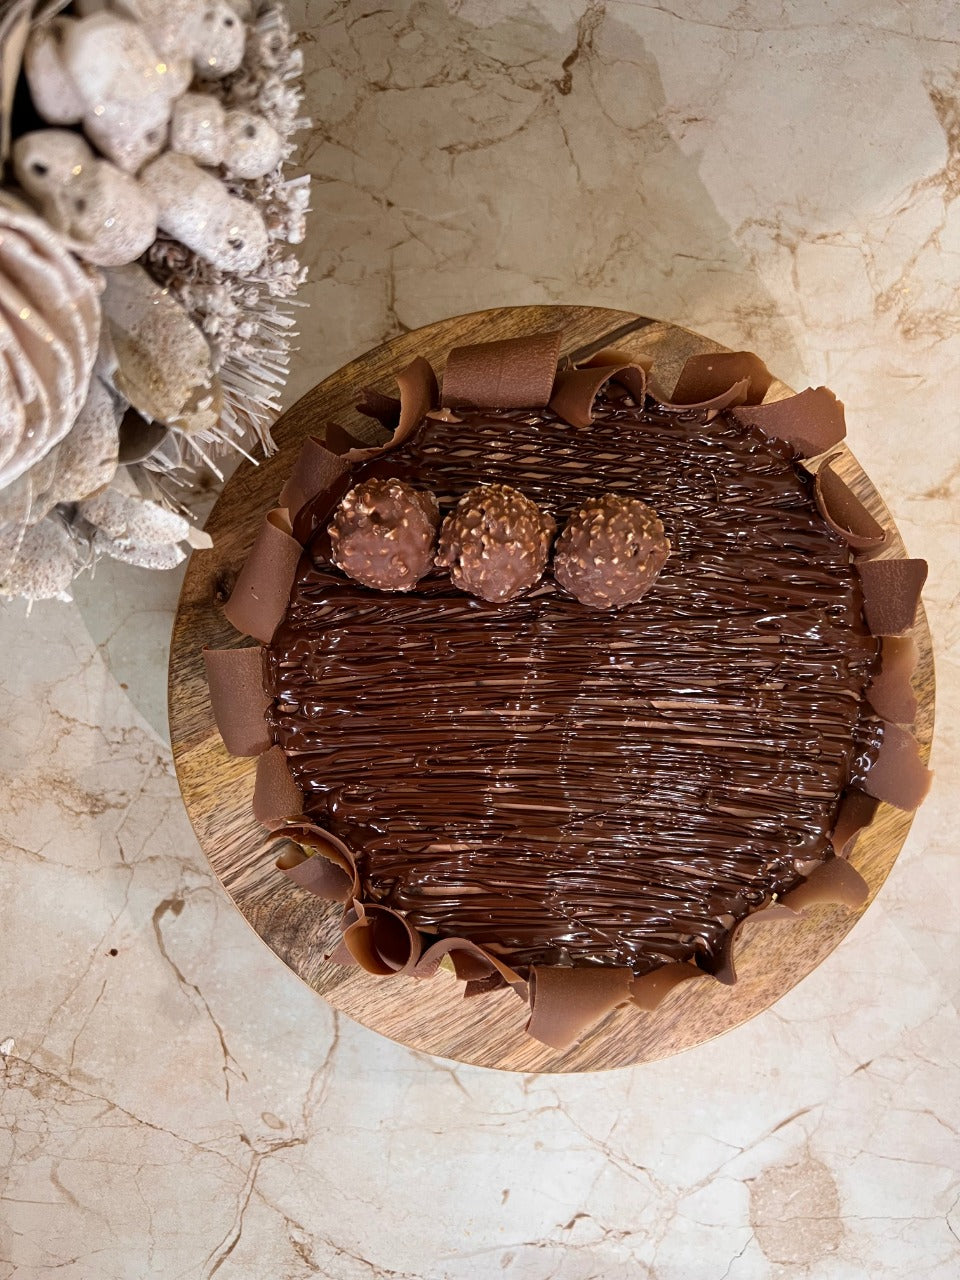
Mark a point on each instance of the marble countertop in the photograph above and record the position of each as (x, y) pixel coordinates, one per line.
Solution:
(174, 1102)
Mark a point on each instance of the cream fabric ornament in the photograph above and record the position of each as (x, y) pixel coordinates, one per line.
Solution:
(39, 563)
(49, 331)
(196, 209)
(107, 217)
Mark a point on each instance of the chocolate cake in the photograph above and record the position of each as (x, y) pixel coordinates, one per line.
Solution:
(582, 782)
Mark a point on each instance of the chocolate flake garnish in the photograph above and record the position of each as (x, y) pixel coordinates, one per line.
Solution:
(704, 378)
(844, 512)
(385, 409)
(316, 468)
(259, 599)
(418, 394)
(339, 440)
(725, 970)
(890, 692)
(898, 775)
(649, 990)
(429, 962)
(516, 373)
(342, 884)
(812, 421)
(276, 796)
(856, 811)
(567, 1002)
(891, 593)
(575, 390)
(380, 940)
(834, 882)
(236, 681)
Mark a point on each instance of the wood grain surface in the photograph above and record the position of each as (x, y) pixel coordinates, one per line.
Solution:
(217, 788)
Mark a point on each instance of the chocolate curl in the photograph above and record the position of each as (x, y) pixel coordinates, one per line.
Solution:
(844, 512)
(516, 373)
(890, 692)
(726, 971)
(334, 875)
(339, 440)
(891, 593)
(898, 775)
(612, 355)
(812, 421)
(259, 599)
(316, 469)
(276, 796)
(835, 882)
(418, 395)
(380, 940)
(459, 949)
(481, 986)
(856, 811)
(575, 390)
(565, 1003)
(384, 409)
(236, 681)
(649, 990)
(705, 378)
(723, 400)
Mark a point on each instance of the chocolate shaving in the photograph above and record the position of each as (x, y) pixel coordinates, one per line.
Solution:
(704, 378)
(856, 811)
(316, 468)
(314, 874)
(844, 512)
(380, 940)
(342, 883)
(891, 593)
(612, 355)
(429, 962)
(890, 692)
(834, 882)
(339, 440)
(385, 409)
(516, 373)
(725, 971)
(565, 1003)
(480, 986)
(276, 796)
(724, 400)
(259, 599)
(812, 421)
(418, 395)
(575, 390)
(898, 775)
(236, 681)
(649, 990)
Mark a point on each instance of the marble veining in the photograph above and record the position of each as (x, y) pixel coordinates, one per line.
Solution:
(174, 1103)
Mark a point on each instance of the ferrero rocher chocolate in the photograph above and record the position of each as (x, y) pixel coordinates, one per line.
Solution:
(382, 534)
(610, 552)
(495, 542)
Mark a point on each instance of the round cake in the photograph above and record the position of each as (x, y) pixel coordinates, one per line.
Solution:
(570, 678)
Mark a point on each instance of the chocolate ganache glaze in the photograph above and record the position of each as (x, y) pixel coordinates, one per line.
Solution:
(567, 786)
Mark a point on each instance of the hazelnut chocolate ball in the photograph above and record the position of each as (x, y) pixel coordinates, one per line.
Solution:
(382, 534)
(495, 542)
(610, 552)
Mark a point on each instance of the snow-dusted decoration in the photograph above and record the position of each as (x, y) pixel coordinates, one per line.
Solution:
(147, 278)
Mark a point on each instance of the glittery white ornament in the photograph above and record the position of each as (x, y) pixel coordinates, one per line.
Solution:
(103, 71)
(107, 217)
(209, 32)
(196, 209)
(243, 142)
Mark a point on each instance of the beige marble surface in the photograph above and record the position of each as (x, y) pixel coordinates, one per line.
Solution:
(174, 1103)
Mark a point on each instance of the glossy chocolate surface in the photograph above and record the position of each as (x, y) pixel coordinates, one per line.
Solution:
(565, 785)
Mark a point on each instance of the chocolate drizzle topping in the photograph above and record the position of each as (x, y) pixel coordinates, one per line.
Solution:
(564, 787)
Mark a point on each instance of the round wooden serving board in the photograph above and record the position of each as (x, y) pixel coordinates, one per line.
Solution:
(217, 788)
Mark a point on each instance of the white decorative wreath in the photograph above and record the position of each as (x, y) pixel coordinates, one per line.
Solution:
(146, 274)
